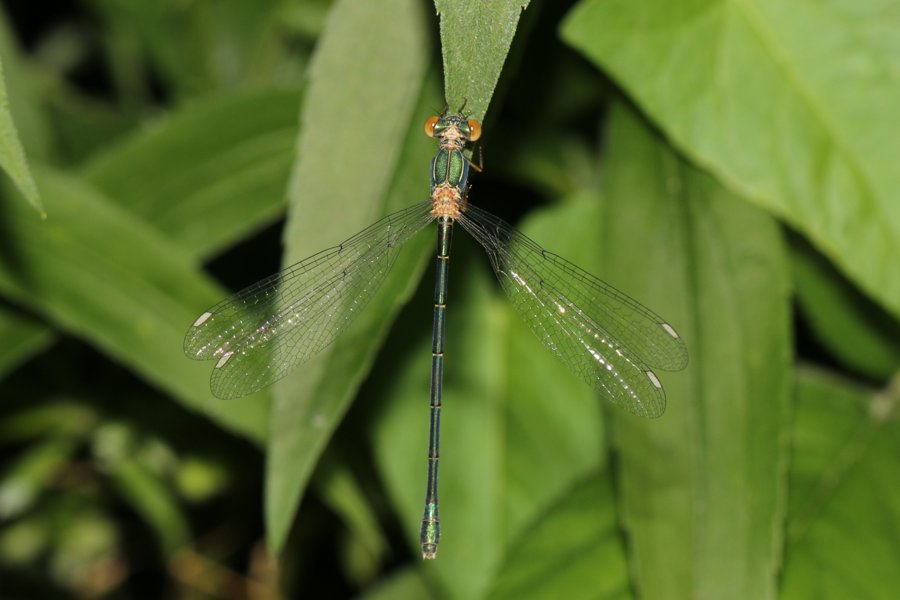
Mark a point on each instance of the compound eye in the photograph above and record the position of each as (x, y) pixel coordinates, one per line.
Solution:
(430, 122)
(474, 130)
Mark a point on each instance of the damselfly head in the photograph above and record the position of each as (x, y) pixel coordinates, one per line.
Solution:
(470, 129)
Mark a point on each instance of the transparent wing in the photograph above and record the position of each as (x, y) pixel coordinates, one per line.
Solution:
(261, 333)
(605, 337)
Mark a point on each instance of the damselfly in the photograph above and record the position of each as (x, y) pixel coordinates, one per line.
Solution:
(612, 342)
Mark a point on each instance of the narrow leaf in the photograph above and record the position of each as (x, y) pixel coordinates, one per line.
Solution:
(211, 173)
(475, 39)
(702, 487)
(362, 154)
(205, 177)
(152, 498)
(98, 273)
(342, 493)
(25, 102)
(12, 155)
(32, 472)
(22, 338)
(855, 330)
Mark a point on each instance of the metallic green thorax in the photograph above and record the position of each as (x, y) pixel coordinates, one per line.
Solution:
(449, 167)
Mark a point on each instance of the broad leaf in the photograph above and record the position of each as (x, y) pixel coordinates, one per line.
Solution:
(791, 104)
(845, 503)
(407, 584)
(573, 551)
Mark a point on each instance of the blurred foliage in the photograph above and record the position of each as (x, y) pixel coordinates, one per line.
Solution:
(729, 164)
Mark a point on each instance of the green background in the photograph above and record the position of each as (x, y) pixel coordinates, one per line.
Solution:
(731, 164)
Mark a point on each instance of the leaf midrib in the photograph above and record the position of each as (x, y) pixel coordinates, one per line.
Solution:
(782, 58)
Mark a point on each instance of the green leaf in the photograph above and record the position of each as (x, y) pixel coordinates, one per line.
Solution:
(82, 537)
(25, 104)
(60, 418)
(573, 551)
(702, 487)
(845, 503)
(237, 150)
(32, 472)
(554, 165)
(196, 47)
(341, 492)
(406, 584)
(23, 542)
(12, 155)
(475, 39)
(151, 497)
(164, 35)
(82, 125)
(22, 338)
(200, 478)
(517, 429)
(856, 331)
(209, 175)
(97, 273)
(792, 105)
(362, 154)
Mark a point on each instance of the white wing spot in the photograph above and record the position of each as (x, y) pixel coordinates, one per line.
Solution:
(670, 330)
(202, 319)
(654, 379)
(560, 308)
(224, 359)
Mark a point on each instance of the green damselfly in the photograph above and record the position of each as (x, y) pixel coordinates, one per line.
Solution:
(608, 339)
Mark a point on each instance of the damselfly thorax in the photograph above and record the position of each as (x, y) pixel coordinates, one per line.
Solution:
(450, 166)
